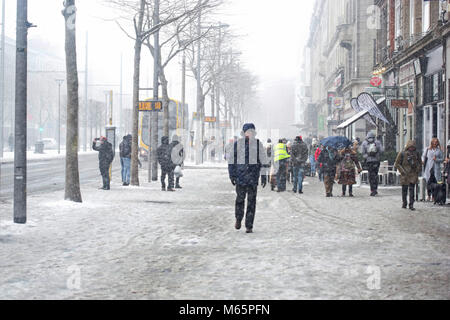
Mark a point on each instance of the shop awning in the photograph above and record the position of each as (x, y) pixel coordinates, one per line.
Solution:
(353, 119)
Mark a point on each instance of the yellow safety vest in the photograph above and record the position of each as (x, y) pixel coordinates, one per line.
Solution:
(280, 152)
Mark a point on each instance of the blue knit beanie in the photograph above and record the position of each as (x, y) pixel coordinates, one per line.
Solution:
(248, 126)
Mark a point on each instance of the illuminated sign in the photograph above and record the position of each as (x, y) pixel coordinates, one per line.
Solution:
(150, 106)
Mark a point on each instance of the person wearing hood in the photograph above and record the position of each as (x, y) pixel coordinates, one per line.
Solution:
(125, 159)
(105, 158)
(409, 164)
(299, 156)
(371, 151)
(247, 164)
(164, 153)
(432, 157)
(177, 157)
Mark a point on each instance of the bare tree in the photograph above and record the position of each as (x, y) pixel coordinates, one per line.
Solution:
(143, 29)
(174, 39)
(72, 186)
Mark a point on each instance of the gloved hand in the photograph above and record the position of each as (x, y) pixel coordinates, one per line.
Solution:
(233, 181)
(263, 181)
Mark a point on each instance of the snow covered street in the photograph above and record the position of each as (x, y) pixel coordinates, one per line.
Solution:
(142, 243)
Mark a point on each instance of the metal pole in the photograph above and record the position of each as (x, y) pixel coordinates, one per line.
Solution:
(20, 150)
(121, 133)
(111, 107)
(86, 79)
(183, 94)
(199, 143)
(2, 86)
(60, 82)
(153, 171)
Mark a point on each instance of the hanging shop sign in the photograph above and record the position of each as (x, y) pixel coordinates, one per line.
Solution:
(376, 81)
(399, 103)
(338, 102)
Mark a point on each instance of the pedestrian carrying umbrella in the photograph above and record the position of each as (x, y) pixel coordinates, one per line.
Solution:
(336, 142)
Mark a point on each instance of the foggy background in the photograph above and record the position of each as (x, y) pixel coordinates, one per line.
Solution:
(272, 35)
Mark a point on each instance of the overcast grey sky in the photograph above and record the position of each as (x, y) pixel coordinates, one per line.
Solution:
(274, 32)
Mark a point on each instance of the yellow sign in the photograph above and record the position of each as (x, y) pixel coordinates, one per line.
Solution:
(150, 106)
(210, 119)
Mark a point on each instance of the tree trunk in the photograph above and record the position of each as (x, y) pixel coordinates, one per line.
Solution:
(72, 187)
(166, 102)
(136, 84)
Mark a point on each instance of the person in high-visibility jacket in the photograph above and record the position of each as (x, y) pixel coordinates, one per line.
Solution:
(281, 160)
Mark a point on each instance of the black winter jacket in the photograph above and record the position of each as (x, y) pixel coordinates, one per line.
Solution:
(248, 158)
(125, 148)
(299, 154)
(164, 154)
(105, 154)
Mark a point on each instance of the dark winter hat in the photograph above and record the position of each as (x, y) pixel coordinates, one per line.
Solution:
(248, 126)
(299, 138)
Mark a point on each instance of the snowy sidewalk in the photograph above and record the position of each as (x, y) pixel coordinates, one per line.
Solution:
(141, 243)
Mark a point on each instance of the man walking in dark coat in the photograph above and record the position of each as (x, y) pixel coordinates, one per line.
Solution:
(105, 158)
(125, 159)
(164, 158)
(248, 162)
(299, 156)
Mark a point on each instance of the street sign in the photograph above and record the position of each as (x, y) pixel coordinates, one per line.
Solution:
(397, 103)
(210, 119)
(225, 124)
(150, 106)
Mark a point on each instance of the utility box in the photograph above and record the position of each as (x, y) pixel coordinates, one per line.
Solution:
(39, 147)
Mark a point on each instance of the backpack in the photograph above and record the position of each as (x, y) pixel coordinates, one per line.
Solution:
(372, 150)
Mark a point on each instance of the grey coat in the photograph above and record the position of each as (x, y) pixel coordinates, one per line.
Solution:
(365, 147)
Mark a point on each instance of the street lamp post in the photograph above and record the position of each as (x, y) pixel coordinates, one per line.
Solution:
(60, 82)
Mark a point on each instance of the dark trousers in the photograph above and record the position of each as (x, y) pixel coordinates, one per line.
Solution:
(250, 193)
(350, 189)
(170, 177)
(177, 183)
(104, 171)
(432, 180)
(281, 175)
(373, 168)
(411, 188)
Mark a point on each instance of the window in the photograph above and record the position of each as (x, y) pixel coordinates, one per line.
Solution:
(434, 88)
(398, 22)
(411, 17)
(426, 15)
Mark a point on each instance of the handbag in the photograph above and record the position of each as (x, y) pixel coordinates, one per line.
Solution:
(178, 172)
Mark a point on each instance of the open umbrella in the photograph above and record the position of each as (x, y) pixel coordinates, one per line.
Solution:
(336, 142)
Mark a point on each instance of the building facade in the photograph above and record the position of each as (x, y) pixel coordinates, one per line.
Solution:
(412, 60)
(341, 55)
